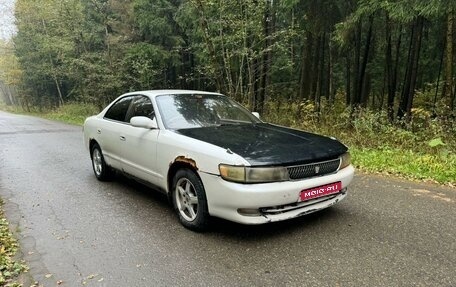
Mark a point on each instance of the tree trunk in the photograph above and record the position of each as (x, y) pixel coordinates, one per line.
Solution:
(405, 86)
(226, 60)
(53, 72)
(356, 84)
(330, 74)
(6, 92)
(379, 106)
(254, 69)
(12, 95)
(266, 59)
(314, 77)
(292, 50)
(453, 101)
(434, 103)
(321, 81)
(389, 71)
(448, 82)
(408, 92)
(348, 79)
(366, 89)
(58, 90)
(362, 86)
(306, 68)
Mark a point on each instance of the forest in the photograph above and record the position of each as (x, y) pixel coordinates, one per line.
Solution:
(372, 53)
(354, 68)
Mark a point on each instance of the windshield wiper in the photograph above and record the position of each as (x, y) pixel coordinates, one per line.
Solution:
(226, 122)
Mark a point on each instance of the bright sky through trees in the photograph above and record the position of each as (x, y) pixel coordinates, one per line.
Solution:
(7, 28)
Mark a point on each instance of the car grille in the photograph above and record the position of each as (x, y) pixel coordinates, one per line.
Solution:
(313, 169)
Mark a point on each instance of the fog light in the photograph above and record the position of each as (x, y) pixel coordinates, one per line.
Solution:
(249, 211)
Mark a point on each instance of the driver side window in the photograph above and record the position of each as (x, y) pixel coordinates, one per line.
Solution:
(119, 109)
(141, 106)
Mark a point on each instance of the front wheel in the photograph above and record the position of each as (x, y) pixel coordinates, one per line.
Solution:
(102, 171)
(189, 200)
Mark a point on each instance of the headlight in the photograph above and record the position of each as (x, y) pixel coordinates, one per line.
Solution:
(232, 173)
(265, 174)
(345, 160)
(245, 174)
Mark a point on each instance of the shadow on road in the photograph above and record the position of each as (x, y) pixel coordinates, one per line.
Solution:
(227, 228)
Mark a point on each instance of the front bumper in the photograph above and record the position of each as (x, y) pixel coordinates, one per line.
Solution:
(269, 202)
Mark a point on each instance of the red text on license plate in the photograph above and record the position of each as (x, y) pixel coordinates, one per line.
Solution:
(320, 191)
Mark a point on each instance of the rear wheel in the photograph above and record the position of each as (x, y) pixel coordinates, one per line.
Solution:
(189, 200)
(102, 171)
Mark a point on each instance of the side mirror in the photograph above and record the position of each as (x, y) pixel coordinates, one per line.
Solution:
(143, 122)
(256, 114)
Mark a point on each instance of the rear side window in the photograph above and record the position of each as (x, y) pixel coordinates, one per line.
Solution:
(119, 110)
(141, 106)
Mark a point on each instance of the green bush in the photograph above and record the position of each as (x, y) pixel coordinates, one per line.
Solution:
(424, 148)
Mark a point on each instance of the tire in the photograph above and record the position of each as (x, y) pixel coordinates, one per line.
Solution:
(101, 170)
(189, 200)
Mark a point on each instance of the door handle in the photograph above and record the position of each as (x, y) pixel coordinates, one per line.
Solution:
(122, 138)
(98, 131)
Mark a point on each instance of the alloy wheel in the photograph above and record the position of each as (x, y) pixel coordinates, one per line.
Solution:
(97, 162)
(186, 199)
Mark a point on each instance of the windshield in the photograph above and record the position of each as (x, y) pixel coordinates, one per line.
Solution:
(193, 111)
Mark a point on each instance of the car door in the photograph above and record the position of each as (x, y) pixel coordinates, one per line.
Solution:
(139, 154)
(110, 129)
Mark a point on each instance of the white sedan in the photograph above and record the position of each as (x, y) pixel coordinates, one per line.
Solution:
(212, 157)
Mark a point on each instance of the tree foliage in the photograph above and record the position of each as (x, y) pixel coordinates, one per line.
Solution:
(368, 53)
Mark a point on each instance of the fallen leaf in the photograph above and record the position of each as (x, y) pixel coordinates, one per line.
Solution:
(59, 282)
(101, 279)
(48, 275)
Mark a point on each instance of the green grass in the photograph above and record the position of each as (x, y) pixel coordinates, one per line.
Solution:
(10, 268)
(72, 113)
(407, 164)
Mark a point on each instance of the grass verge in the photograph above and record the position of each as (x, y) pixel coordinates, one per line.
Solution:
(406, 164)
(10, 268)
(70, 113)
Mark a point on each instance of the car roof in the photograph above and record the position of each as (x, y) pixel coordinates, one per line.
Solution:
(154, 93)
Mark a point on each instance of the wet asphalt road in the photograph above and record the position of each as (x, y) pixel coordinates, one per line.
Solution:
(387, 232)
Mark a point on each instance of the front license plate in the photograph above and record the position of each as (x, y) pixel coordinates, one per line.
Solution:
(320, 191)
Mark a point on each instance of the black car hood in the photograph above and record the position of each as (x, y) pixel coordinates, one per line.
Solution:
(265, 144)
